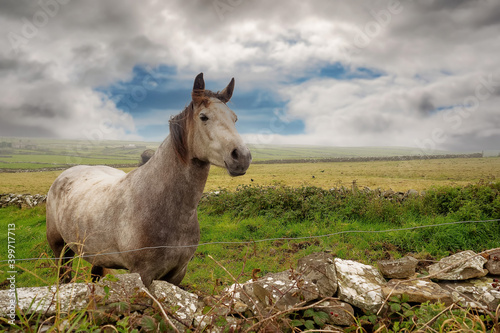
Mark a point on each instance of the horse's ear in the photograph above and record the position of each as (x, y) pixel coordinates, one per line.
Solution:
(227, 92)
(199, 83)
(198, 89)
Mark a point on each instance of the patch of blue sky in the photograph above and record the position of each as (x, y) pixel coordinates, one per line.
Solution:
(341, 72)
(152, 96)
(145, 90)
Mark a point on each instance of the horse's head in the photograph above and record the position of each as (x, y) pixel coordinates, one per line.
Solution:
(206, 130)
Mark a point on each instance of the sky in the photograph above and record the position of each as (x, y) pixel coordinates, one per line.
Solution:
(423, 74)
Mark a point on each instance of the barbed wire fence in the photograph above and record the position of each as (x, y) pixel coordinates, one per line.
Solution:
(249, 242)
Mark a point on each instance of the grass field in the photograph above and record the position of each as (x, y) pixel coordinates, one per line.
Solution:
(294, 206)
(398, 176)
(256, 213)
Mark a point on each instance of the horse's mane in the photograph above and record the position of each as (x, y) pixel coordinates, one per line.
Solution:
(179, 124)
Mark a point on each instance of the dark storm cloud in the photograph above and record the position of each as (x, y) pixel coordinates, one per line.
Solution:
(425, 105)
(38, 111)
(16, 8)
(11, 128)
(20, 68)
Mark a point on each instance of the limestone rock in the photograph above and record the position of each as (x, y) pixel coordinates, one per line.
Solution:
(44, 300)
(475, 293)
(412, 192)
(319, 269)
(121, 287)
(340, 313)
(493, 263)
(284, 290)
(461, 266)
(173, 297)
(419, 291)
(281, 291)
(73, 296)
(359, 284)
(398, 269)
(214, 324)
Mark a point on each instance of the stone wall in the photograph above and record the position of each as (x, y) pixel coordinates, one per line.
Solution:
(21, 200)
(339, 288)
(371, 159)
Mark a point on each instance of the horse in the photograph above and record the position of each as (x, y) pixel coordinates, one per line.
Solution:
(146, 220)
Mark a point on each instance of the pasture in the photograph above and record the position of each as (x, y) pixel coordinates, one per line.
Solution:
(396, 175)
(293, 200)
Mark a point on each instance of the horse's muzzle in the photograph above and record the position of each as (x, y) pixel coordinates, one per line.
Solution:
(238, 161)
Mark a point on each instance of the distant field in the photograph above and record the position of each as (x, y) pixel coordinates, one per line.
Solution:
(272, 152)
(398, 176)
(44, 153)
(23, 153)
(37, 154)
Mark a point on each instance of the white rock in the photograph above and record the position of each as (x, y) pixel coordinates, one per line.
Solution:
(359, 284)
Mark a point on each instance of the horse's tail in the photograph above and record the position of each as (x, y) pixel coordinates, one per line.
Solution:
(145, 156)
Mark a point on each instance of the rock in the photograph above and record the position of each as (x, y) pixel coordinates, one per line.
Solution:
(284, 290)
(319, 269)
(28, 201)
(173, 297)
(78, 296)
(388, 194)
(359, 284)
(279, 291)
(121, 287)
(398, 269)
(340, 313)
(215, 323)
(44, 300)
(419, 291)
(475, 293)
(493, 263)
(461, 266)
(412, 193)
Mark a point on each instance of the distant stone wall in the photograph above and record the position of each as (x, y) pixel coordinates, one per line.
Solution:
(21, 200)
(371, 159)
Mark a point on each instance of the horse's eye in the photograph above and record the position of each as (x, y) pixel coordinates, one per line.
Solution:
(203, 117)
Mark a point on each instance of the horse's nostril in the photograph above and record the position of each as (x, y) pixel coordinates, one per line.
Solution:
(234, 154)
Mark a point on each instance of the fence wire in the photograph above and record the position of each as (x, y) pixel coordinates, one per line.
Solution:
(260, 240)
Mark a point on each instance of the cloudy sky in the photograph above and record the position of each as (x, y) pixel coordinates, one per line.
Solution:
(423, 74)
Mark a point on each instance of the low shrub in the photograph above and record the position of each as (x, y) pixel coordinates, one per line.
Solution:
(473, 202)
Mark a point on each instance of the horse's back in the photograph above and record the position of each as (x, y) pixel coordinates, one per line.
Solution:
(76, 185)
(84, 177)
(80, 203)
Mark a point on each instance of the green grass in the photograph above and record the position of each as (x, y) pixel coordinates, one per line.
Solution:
(30, 242)
(254, 213)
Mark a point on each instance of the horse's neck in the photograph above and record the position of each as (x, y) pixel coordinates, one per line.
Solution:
(166, 177)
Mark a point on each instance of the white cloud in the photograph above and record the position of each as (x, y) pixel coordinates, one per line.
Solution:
(433, 55)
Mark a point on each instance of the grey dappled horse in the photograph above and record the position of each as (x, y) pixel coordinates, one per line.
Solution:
(106, 214)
